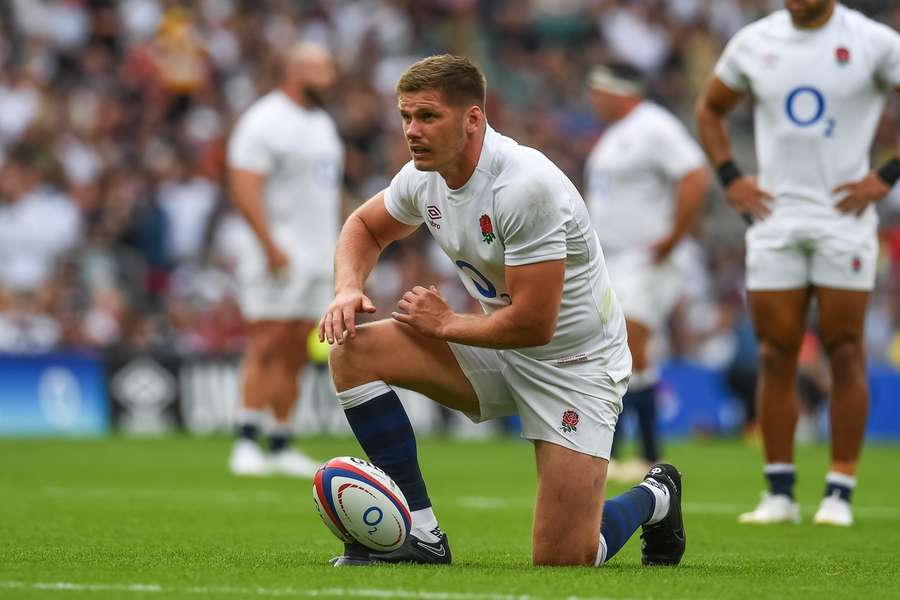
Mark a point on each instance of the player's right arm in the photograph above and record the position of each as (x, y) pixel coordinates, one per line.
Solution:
(247, 194)
(741, 190)
(367, 231)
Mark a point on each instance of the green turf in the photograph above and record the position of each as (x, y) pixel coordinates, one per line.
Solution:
(108, 514)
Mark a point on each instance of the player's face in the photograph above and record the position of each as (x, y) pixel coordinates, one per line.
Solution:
(807, 11)
(434, 130)
(317, 78)
(605, 104)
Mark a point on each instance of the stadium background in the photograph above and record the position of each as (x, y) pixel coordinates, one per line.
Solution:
(117, 304)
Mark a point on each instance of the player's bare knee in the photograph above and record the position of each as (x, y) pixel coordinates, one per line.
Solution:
(845, 352)
(350, 364)
(775, 357)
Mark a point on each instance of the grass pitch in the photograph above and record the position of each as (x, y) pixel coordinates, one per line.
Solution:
(161, 518)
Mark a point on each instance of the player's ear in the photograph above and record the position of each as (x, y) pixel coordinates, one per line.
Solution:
(473, 119)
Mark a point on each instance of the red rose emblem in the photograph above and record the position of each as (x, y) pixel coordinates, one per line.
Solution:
(487, 229)
(842, 55)
(486, 225)
(569, 421)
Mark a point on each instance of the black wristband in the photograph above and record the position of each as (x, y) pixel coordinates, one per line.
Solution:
(728, 172)
(890, 172)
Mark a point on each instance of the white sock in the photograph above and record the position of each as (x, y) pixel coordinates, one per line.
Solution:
(423, 521)
(362, 393)
(661, 493)
(251, 416)
(601, 552)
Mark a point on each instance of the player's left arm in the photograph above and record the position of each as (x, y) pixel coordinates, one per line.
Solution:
(858, 195)
(530, 320)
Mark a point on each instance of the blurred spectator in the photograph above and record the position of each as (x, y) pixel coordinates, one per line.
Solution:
(113, 117)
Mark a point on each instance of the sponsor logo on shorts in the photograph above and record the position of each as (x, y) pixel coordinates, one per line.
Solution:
(569, 421)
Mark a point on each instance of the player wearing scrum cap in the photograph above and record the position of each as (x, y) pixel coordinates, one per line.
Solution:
(646, 179)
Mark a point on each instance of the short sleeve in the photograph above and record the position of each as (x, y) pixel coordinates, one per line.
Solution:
(400, 197)
(729, 69)
(248, 148)
(888, 69)
(676, 152)
(532, 222)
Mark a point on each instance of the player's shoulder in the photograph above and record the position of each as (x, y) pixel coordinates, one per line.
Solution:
(411, 179)
(778, 21)
(870, 28)
(523, 175)
(266, 108)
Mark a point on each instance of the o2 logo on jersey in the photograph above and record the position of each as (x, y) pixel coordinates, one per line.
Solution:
(482, 283)
(805, 106)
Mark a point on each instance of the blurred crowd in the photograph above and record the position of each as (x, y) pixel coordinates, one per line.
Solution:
(115, 223)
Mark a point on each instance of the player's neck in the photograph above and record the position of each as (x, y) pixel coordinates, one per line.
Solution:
(817, 21)
(295, 96)
(459, 173)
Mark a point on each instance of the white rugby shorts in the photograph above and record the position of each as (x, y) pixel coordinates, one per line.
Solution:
(575, 405)
(647, 291)
(836, 252)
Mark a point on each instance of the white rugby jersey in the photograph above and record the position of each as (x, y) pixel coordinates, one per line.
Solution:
(632, 175)
(518, 208)
(818, 96)
(302, 157)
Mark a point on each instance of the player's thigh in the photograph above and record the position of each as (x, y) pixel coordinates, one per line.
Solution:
(569, 505)
(842, 316)
(266, 339)
(397, 354)
(779, 318)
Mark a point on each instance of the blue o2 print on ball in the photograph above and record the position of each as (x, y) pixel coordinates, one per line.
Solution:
(482, 283)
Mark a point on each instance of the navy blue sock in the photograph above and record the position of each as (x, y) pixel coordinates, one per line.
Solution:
(622, 516)
(840, 485)
(278, 442)
(643, 402)
(781, 478)
(384, 432)
(248, 431)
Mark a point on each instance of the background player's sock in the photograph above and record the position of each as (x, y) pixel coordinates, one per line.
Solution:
(643, 402)
(840, 485)
(249, 421)
(623, 514)
(279, 437)
(781, 478)
(382, 428)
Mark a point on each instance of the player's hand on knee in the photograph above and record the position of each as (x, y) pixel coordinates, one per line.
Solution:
(341, 316)
(748, 198)
(859, 194)
(425, 310)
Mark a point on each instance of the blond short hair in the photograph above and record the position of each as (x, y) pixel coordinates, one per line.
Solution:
(456, 77)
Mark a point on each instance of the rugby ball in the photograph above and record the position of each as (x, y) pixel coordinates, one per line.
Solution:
(358, 501)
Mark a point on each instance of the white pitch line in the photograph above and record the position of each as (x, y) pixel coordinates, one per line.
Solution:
(697, 508)
(143, 588)
(470, 502)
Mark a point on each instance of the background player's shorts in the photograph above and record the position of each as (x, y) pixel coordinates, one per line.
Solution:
(303, 294)
(839, 252)
(647, 292)
(574, 405)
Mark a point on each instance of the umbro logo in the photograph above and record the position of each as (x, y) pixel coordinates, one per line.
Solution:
(434, 214)
(438, 551)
